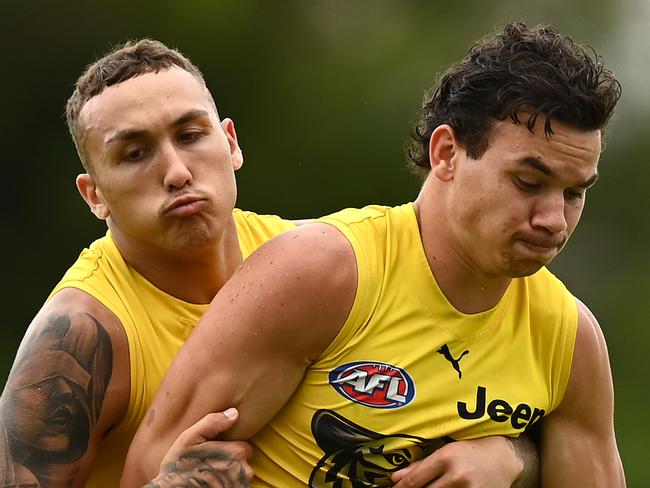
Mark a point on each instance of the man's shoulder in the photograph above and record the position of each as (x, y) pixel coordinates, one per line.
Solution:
(589, 329)
(75, 294)
(253, 219)
(87, 263)
(76, 304)
(314, 254)
(351, 216)
(99, 276)
(374, 224)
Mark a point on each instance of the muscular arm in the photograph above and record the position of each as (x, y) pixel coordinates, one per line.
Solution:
(578, 442)
(55, 405)
(250, 350)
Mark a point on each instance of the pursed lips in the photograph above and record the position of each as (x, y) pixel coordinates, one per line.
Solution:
(185, 205)
(541, 245)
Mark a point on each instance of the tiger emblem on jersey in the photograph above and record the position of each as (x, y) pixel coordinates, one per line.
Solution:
(356, 457)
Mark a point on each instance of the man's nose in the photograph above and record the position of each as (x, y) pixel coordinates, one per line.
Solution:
(176, 173)
(549, 213)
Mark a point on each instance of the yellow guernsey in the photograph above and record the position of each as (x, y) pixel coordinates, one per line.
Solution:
(408, 372)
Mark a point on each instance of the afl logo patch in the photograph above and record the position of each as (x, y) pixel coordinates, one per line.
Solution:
(373, 384)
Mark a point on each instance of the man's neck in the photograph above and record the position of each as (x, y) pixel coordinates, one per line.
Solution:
(465, 287)
(193, 275)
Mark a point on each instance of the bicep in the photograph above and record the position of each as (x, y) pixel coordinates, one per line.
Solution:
(260, 333)
(54, 403)
(578, 445)
(221, 368)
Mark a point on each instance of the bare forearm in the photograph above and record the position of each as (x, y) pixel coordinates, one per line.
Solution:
(155, 436)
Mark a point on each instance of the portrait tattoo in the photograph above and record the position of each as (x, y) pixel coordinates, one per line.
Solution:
(52, 400)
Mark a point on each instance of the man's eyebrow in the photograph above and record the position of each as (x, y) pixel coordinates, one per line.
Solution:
(125, 135)
(589, 182)
(131, 134)
(538, 165)
(547, 171)
(191, 115)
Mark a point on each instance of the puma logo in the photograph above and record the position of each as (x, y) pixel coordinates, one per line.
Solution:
(444, 350)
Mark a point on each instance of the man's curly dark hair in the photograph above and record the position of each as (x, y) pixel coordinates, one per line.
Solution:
(537, 70)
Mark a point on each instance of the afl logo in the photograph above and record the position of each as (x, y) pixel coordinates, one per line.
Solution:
(373, 384)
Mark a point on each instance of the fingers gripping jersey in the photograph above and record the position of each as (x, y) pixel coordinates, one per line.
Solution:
(409, 373)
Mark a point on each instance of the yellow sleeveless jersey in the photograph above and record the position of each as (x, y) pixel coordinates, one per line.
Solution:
(156, 325)
(408, 372)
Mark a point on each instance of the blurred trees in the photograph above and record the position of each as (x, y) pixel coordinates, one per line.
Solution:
(323, 94)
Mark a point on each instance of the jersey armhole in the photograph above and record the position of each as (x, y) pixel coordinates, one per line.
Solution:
(567, 344)
(364, 299)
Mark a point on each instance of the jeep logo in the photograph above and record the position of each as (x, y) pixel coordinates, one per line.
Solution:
(521, 416)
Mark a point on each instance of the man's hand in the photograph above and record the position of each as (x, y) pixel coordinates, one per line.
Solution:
(489, 462)
(195, 459)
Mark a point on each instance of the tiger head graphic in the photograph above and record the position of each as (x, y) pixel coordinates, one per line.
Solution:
(356, 457)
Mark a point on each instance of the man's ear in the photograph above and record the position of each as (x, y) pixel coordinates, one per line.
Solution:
(443, 149)
(92, 195)
(235, 151)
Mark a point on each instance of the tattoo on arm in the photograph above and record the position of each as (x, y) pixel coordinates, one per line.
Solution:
(52, 400)
(202, 467)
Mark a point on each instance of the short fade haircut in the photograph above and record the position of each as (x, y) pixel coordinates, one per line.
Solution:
(123, 62)
(520, 69)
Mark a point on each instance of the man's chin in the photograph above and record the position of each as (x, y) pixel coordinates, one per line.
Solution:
(192, 236)
(528, 268)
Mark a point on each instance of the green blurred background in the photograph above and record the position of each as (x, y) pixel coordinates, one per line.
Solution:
(323, 94)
